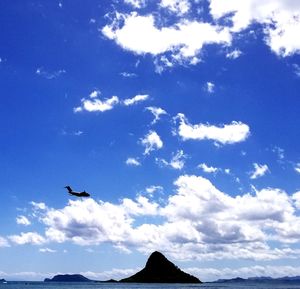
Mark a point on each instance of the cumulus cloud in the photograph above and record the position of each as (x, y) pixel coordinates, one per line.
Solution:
(234, 54)
(296, 199)
(157, 112)
(234, 132)
(136, 3)
(133, 162)
(22, 220)
(95, 93)
(296, 69)
(153, 189)
(38, 206)
(177, 162)
(184, 40)
(47, 250)
(151, 141)
(179, 7)
(3, 242)
(136, 99)
(115, 274)
(128, 74)
(210, 87)
(281, 20)
(297, 168)
(197, 221)
(208, 169)
(212, 274)
(28, 238)
(259, 171)
(93, 103)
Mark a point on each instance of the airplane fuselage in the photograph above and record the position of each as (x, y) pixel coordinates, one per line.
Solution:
(77, 194)
(82, 194)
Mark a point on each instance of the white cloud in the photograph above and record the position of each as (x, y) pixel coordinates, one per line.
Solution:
(207, 169)
(205, 274)
(184, 40)
(279, 151)
(212, 274)
(152, 189)
(297, 168)
(157, 112)
(128, 74)
(177, 162)
(224, 134)
(95, 93)
(115, 274)
(93, 103)
(132, 162)
(234, 54)
(151, 141)
(40, 206)
(22, 220)
(49, 75)
(136, 3)
(210, 87)
(296, 199)
(28, 238)
(47, 250)
(196, 222)
(136, 99)
(3, 242)
(281, 20)
(180, 7)
(140, 206)
(259, 171)
(296, 69)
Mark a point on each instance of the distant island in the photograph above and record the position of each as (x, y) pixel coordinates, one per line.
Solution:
(159, 269)
(295, 279)
(2, 280)
(68, 278)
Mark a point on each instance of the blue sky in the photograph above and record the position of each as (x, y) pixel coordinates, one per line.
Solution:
(179, 117)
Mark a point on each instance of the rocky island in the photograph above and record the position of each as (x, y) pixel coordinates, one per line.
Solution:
(2, 281)
(68, 278)
(159, 269)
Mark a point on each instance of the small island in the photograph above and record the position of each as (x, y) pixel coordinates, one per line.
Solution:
(68, 278)
(2, 281)
(159, 269)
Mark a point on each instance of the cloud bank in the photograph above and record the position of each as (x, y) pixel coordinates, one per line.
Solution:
(198, 222)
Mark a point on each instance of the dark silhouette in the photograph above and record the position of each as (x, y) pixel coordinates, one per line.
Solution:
(68, 278)
(159, 269)
(2, 281)
(77, 194)
(75, 278)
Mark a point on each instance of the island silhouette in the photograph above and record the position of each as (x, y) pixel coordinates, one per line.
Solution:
(158, 269)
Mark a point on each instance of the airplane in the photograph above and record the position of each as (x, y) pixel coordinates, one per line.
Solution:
(77, 194)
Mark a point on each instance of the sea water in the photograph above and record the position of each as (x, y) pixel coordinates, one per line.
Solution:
(58, 285)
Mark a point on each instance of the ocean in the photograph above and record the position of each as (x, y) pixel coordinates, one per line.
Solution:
(56, 285)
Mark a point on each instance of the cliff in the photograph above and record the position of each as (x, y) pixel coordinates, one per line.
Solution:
(159, 269)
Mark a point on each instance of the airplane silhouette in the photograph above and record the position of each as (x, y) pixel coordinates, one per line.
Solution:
(77, 194)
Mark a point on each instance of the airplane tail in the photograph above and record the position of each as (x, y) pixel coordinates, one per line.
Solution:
(69, 189)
